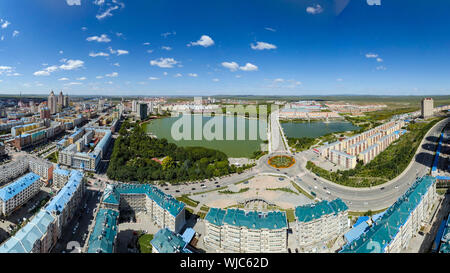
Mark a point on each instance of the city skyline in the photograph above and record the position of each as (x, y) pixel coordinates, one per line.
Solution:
(227, 48)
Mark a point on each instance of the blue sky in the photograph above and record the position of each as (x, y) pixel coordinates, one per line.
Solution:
(204, 47)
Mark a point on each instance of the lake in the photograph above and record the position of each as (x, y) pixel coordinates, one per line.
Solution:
(235, 142)
(315, 129)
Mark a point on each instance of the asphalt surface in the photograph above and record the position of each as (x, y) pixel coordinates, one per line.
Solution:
(357, 199)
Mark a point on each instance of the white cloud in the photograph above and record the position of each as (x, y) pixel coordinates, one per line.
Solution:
(204, 41)
(73, 83)
(73, 2)
(282, 83)
(339, 80)
(215, 80)
(379, 60)
(46, 71)
(193, 75)
(106, 13)
(371, 55)
(118, 52)
(114, 74)
(15, 33)
(102, 39)
(165, 73)
(164, 62)
(102, 54)
(81, 79)
(168, 34)
(262, 46)
(99, 2)
(314, 10)
(116, 64)
(84, 28)
(4, 23)
(72, 64)
(150, 51)
(270, 29)
(63, 79)
(238, 76)
(99, 77)
(168, 48)
(233, 66)
(381, 67)
(153, 78)
(178, 75)
(249, 67)
(146, 43)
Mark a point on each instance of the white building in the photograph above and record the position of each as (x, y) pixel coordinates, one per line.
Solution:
(17, 193)
(240, 231)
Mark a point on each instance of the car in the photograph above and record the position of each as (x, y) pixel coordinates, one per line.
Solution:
(315, 178)
(217, 186)
(216, 182)
(382, 188)
(166, 189)
(193, 189)
(177, 191)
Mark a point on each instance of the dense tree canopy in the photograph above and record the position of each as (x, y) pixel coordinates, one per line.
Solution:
(138, 157)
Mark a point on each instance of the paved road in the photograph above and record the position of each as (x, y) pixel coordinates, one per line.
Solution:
(275, 136)
(357, 199)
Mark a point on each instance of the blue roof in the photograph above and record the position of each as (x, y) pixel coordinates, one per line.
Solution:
(361, 219)
(11, 190)
(24, 240)
(61, 171)
(356, 231)
(215, 216)
(188, 234)
(255, 219)
(315, 211)
(445, 239)
(58, 202)
(385, 229)
(104, 233)
(440, 177)
(165, 201)
(166, 241)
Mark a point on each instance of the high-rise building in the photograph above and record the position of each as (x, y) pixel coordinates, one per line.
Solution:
(427, 107)
(61, 99)
(44, 113)
(66, 101)
(51, 102)
(142, 110)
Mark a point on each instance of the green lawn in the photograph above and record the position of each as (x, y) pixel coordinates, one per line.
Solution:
(386, 166)
(234, 192)
(282, 189)
(188, 201)
(144, 243)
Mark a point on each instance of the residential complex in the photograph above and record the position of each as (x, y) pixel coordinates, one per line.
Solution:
(166, 241)
(365, 146)
(87, 151)
(393, 231)
(104, 235)
(19, 192)
(23, 164)
(236, 230)
(45, 228)
(319, 222)
(163, 209)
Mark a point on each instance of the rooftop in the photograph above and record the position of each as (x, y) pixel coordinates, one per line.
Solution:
(384, 230)
(165, 241)
(58, 202)
(104, 233)
(315, 211)
(249, 219)
(11, 190)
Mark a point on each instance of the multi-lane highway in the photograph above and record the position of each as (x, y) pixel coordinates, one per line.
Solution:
(357, 199)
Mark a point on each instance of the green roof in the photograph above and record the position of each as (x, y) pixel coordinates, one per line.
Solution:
(104, 233)
(249, 219)
(167, 202)
(384, 230)
(315, 211)
(166, 241)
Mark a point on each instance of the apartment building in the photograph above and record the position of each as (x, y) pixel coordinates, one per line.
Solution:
(166, 241)
(163, 209)
(13, 169)
(60, 177)
(104, 235)
(365, 146)
(239, 231)
(43, 231)
(393, 231)
(75, 155)
(17, 193)
(64, 205)
(320, 222)
(427, 107)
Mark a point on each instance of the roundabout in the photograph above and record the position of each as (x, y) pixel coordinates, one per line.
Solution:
(281, 161)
